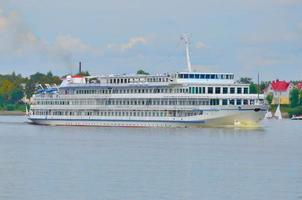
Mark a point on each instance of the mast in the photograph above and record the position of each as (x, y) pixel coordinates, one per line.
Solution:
(186, 39)
(258, 88)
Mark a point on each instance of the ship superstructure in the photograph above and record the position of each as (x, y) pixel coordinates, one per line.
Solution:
(169, 100)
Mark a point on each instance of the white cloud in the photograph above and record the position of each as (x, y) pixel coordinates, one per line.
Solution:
(73, 44)
(17, 38)
(200, 45)
(131, 43)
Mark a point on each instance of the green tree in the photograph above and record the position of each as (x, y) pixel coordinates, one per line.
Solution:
(294, 97)
(269, 98)
(16, 96)
(30, 88)
(245, 80)
(6, 88)
(254, 88)
(300, 98)
(84, 73)
(49, 74)
(263, 85)
(142, 72)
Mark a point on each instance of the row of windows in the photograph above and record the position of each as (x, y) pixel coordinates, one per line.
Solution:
(134, 102)
(119, 113)
(205, 76)
(126, 102)
(192, 90)
(136, 80)
(130, 91)
(218, 90)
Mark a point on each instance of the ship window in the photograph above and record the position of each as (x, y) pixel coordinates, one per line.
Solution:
(213, 76)
(238, 102)
(225, 90)
(224, 102)
(202, 76)
(232, 90)
(217, 90)
(196, 90)
(191, 75)
(245, 90)
(196, 76)
(214, 102)
(239, 90)
(245, 102)
(207, 76)
(186, 75)
(193, 90)
(210, 90)
(232, 102)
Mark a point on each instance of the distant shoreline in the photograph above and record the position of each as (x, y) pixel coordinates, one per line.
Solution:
(11, 113)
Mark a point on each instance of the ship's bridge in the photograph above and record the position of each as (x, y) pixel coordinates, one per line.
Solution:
(205, 78)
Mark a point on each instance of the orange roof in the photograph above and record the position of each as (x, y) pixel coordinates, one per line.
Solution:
(280, 86)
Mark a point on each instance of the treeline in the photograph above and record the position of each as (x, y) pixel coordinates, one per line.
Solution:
(295, 99)
(13, 88)
(254, 87)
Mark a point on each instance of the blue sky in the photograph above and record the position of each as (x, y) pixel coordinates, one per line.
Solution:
(241, 36)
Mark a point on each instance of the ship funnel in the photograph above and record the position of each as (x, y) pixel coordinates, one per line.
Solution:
(80, 67)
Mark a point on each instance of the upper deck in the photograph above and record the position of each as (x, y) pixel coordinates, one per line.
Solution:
(205, 78)
(165, 79)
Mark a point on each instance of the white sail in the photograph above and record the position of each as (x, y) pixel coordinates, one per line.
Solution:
(26, 110)
(268, 115)
(278, 114)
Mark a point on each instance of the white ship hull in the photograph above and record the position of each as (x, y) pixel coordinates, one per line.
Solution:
(219, 118)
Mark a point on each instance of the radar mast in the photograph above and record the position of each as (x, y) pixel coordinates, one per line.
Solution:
(186, 39)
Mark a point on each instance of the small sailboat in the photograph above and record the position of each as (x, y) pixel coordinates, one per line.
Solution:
(26, 110)
(278, 114)
(294, 117)
(268, 115)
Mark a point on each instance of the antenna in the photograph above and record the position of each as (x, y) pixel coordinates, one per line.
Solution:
(186, 39)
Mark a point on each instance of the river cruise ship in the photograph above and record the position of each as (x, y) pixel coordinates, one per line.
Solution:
(184, 99)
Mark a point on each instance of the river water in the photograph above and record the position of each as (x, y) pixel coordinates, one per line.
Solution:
(91, 163)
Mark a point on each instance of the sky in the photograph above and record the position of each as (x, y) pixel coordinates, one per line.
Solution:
(245, 37)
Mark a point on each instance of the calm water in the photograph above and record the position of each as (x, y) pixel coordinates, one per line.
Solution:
(78, 163)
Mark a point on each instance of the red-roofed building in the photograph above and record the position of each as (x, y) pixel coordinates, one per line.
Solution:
(77, 76)
(280, 91)
(299, 86)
